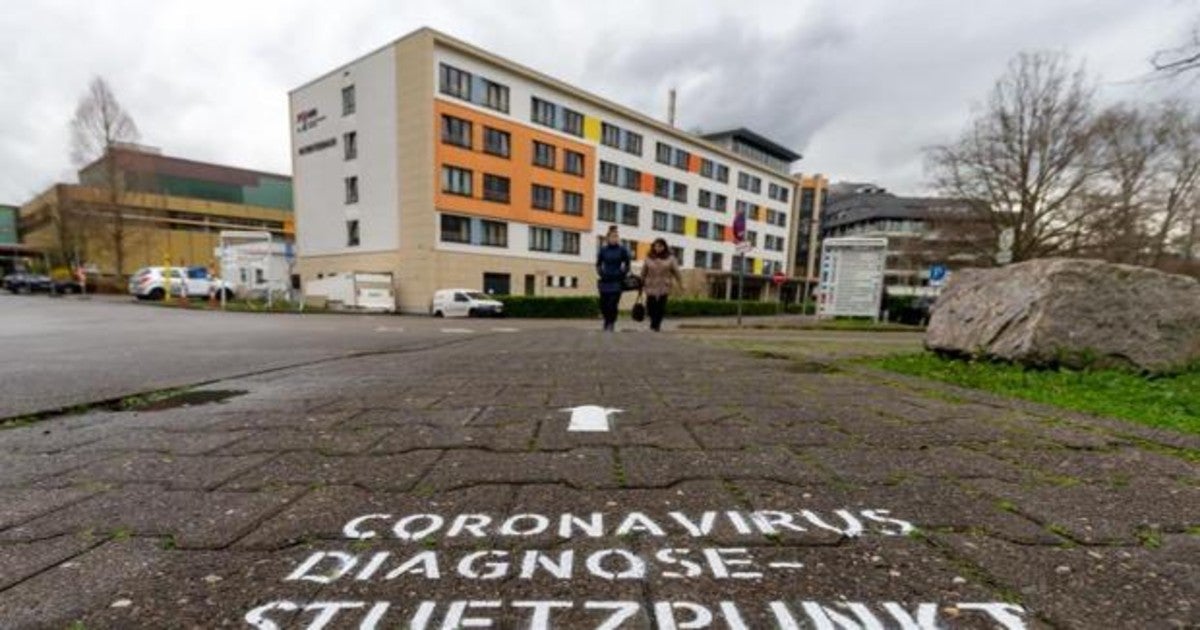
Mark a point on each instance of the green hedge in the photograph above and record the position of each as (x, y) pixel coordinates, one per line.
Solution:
(589, 307)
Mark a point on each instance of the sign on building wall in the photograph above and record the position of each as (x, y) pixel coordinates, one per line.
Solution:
(852, 277)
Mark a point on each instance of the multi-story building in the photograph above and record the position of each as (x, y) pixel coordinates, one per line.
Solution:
(814, 192)
(157, 208)
(449, 166)
(921, 232)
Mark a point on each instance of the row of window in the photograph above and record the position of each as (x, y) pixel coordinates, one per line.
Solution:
(623, 139)
(756, 212)
(623, 176)
(673, 156)
(461, 181)
(777, 192)
(668, 189)
(714, 170)
(773, 243)
(713, 201)
(613, 212)
(748, 182)
(547, 114)
(460, 132)
(458, 229)
(461, 84)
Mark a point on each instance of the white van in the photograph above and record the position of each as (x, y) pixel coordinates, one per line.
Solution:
(464, 303)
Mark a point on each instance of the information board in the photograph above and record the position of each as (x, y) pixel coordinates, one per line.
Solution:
(852, 277)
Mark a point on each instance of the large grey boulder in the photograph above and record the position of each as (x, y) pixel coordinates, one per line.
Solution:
(1074, 313)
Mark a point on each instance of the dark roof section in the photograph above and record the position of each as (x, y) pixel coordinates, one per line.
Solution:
(140, 161)
(848, 209)
(749, 137)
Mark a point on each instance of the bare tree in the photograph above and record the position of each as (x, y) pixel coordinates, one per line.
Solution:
(99, 125)
(1179, 59)
(1027, 155)
(1131, 145)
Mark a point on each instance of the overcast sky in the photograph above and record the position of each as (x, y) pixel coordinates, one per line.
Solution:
(858, 87)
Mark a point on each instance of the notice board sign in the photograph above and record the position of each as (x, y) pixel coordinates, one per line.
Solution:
(851, 277)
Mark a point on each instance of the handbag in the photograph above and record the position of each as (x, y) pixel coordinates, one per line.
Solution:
(639, 309)
(631, 282)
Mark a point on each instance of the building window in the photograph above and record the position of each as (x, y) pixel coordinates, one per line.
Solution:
(720, 203)
(607, 211)
(633, 143)
(777, 192)
(456, 181)
(702, 229)
(540, 239)
(543, 154)
(543, 197)
(677, 252)
(455, 82)
(456, 229)
(348, 105)
(572, 162)
(678, 224)
(749, 182)
(456, 131)
(495, 234)
(662, 152)
(610, 135)
(495, 188)
(752, 237)
(716, 261)
(700, 260)
(610, 173)
(350, 145)
(705, 199)
(680, 192)
(352, 233)
(570, 245)
(629, 215)
(723, 173)
(543, 112)
(681, 159)
(572, 122)
(632, 179)
(659, 220)
(572, 203)
(495, 96)
(706, 170)
(662, 187)
(351, 189)
(497, 142)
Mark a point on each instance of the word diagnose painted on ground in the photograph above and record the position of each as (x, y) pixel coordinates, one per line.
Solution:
(400, 553)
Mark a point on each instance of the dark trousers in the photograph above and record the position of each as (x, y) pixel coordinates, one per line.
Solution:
(656, 307)
(609, 302)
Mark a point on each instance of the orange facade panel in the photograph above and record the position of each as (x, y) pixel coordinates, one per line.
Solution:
(694, 163)
(647, 183)
(517, 167)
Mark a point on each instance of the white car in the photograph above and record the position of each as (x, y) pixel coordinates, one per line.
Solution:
(151, 283)
(464, 303)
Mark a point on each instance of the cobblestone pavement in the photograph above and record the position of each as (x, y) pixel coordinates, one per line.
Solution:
(441, 488)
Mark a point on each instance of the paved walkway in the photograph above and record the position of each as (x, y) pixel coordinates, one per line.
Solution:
(441, 488)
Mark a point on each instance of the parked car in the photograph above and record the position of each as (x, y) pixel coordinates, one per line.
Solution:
(23, 282)
(151, 283)
(464, 303)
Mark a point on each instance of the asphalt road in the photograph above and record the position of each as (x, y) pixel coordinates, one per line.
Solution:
(62, 352)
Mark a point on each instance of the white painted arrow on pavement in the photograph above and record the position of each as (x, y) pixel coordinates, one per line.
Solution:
(589, 418)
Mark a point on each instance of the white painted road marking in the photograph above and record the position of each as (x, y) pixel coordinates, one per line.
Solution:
(388, 329)
(457, 331)
(589, 418)
(786, 565)
(506, 330)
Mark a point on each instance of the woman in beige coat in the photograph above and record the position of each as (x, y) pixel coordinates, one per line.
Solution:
(658, 272)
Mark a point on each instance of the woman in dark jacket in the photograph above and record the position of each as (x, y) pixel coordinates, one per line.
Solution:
(612, 265)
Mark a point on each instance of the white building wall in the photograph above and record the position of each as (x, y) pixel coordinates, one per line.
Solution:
(320, 200)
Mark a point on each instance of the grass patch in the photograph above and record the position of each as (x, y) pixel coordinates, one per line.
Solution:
(844, 324)
(1169, 402)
